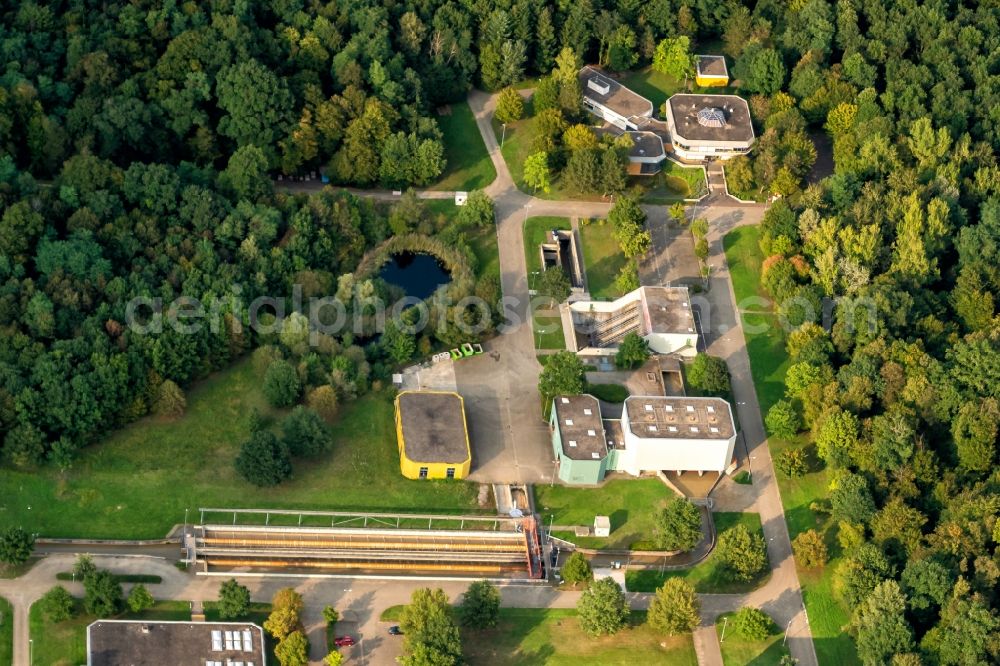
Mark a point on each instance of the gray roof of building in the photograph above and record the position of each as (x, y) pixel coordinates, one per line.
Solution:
(668, 309)
(144, 643)
(712, 65)
(646, 144)
(619, 99)
(433, 426)
(658, 417)
(581, 430)
(684, 110)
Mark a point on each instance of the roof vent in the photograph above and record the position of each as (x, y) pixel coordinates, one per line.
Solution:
(592, 433)
(712, 116)
(713, 429)
(569, 422)
(145, 629)
(652, 428)
(572, 442)
(672, 428)
(565, 401)
(694, 428)
(599, 85)
(595, 455)
(588, 412)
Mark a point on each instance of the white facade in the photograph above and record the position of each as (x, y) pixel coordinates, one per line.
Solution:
(611, 101)
(660, 315)
(706, 127)
(645, 453)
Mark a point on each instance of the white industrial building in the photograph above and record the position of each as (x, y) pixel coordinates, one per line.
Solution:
(704, 127)
(654, 434)
(678, 434)
(660, 315)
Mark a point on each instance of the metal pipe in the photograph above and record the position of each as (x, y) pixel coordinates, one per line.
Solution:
(224, 562)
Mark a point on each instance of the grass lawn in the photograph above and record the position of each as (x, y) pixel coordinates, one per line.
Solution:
(137, 483)
(608, 392)
(553, 637)
(548, 332)
(6, 632)
(654, 86)
(738, 651)
(768, 363)
(673, 183)
(632, 503)
(65, 643)
(469, 166)
(602, 258)
(708, 576)
(744, 258)
(536, 231)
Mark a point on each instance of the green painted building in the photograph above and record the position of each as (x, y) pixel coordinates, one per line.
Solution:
(579, 443)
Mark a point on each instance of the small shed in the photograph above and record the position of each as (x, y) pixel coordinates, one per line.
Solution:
(602, 526)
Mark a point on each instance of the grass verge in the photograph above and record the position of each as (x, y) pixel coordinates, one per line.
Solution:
(768, 364)
(608, 392)
(739, 651)
(392, 613)
(632, 505)
(137, 483)
(553, 637)
(548, 332)
(602, 258)
(6, 632)
(708, 576)
(469, 165)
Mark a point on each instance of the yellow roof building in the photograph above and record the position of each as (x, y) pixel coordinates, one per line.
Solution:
(432, 435)
(711, 71)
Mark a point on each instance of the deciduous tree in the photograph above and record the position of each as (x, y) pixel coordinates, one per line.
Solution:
(576, 569)
(234, 600)
(678, 525)
(602, 608)
(675, 608)
(263, 460)
(480, 606)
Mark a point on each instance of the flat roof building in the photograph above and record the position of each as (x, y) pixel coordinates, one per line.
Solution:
(709, 126)
(432, 435)
(145, 643)
(711, 71)
(660, 315)
(606, 98)
(654, 434)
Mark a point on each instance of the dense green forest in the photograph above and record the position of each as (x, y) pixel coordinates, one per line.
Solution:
(138, 141)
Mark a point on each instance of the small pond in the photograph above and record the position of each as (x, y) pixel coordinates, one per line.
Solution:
(419, 275)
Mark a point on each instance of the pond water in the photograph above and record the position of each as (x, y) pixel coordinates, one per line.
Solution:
(417, 274)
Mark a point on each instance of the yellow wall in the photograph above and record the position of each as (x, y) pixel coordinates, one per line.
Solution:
(712, 81)
(437, 470)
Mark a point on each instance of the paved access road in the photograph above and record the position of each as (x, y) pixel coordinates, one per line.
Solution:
(781, 597)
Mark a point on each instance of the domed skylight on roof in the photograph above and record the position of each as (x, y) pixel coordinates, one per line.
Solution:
(711, 117)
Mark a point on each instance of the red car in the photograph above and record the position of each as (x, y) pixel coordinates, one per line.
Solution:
(344, 641)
